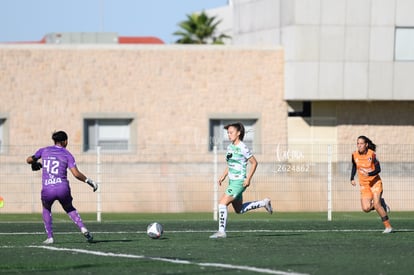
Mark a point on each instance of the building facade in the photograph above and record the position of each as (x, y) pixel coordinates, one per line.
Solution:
(338, 54)
(141, 105)
(307, 77)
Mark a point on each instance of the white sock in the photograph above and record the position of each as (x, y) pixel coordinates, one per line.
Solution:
(247, 206)
(222, 217)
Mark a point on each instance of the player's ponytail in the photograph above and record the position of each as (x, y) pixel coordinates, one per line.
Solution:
(241, 129)
(371, 145)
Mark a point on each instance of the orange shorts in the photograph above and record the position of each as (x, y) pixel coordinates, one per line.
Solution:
(368, 191)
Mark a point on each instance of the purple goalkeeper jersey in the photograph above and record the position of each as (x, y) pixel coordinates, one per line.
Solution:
(55, 160)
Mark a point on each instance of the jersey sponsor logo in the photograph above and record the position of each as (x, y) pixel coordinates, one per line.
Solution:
(52, 181)
(229, 155)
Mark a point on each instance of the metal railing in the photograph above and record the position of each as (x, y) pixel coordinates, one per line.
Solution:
(307, 177)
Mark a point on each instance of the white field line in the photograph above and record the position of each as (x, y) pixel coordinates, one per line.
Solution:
(174, 261)
(210, 231)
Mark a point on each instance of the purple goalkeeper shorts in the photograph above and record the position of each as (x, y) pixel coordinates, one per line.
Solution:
(59, 192)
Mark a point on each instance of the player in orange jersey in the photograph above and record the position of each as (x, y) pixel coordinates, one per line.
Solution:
(365, 162)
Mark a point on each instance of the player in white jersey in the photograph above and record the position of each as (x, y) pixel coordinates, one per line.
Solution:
(238, 155)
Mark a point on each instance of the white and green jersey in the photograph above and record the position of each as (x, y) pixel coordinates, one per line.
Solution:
(237, 157)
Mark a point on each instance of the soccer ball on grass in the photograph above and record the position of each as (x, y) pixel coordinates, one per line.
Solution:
(155, 230)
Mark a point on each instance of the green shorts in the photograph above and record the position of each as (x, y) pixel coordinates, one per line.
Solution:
(236, 189)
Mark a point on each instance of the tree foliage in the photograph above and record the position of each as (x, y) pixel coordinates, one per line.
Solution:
(199, 28)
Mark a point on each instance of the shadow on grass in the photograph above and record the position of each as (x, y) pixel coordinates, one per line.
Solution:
(94, 241)
(110, 241)
(264, 235)
(160, 239)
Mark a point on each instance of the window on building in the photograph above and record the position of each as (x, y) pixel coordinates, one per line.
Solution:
(299, 108)
(404, 44)
(219, 138)
(109, 134)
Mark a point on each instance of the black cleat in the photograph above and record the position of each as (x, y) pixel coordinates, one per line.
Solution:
(88, 236)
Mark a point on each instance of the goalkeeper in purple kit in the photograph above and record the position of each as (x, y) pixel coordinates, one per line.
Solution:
(55, 160)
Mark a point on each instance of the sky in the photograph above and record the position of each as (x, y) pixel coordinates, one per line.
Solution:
(30, 20)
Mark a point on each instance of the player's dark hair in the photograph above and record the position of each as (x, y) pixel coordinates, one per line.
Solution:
(239, 126)
(371, 145)
(59, 137)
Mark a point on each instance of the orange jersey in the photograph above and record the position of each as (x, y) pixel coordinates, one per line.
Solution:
(365, 162)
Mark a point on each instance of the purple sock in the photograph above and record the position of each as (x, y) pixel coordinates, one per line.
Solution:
(47, 221)
(74, 215)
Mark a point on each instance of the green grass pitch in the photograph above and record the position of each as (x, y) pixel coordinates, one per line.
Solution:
(256, 243)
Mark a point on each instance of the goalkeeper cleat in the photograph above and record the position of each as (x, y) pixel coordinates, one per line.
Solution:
(87, 234)
(48, 241)
(268, 205)
(218, 235)
(388, 230)
(385, 206)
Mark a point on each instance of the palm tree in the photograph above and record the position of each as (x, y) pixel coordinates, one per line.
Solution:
(199, 28)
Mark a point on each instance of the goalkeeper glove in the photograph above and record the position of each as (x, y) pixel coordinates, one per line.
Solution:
(92, 184)
(36, 166)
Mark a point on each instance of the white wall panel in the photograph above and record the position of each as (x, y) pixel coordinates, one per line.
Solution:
(301, 80)
(404, 13)
(380, 85)
(356, 80)
(382, 44)
(331, 80)
(383, 12)
(332, 43)
(333, 12)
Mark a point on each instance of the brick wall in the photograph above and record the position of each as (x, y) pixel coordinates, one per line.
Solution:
(171, 90)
